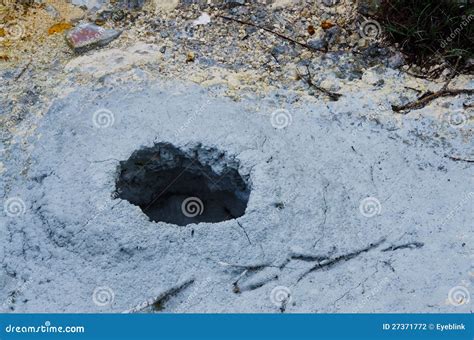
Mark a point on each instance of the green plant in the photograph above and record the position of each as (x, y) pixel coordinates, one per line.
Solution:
(430, 31)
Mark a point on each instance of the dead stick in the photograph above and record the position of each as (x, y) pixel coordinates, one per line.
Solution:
(426, 99)
(23, 70)
(459, 159)
(269, 31)
(333, 95)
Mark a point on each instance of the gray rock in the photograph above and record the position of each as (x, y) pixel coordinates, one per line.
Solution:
(90, 4)
(396, 60)
(234, 3)
(318, 44)
(130, 4)
(280, 49)
(330, 3)
(88, 36)
(369, 7)
(332, 34)
(52, 11)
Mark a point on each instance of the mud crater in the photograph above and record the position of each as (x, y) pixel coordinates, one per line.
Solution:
(183, 186)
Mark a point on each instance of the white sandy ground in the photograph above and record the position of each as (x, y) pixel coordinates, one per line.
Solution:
(71, 239)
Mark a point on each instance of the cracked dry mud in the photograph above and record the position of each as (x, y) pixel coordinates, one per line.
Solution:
(351, 208)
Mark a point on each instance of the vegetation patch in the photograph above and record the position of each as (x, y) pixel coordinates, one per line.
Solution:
(431, 32)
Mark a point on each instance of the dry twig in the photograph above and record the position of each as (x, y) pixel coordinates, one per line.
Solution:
(284, 37)
(428, 97)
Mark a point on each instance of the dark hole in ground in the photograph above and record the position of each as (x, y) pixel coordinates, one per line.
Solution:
(183, 186)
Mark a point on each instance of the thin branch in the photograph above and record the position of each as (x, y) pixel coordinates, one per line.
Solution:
(23, 70)
(308, 79)
(270, 31)
(459, 159)
(428, 98)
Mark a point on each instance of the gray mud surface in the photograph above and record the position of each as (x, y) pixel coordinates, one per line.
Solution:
(307, 229)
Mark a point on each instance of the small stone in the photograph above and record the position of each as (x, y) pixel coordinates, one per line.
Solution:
(130, 4)
(234, 3)
(280, 49)
(330, 3)
(250, 30)
(362, 43)
(396, 60)
(164, 34)
(51, 10)
(318, 44)
(332, 34)
(163, 49)
(203, 19)
(89, 4)
(369, 7)
(88, 36)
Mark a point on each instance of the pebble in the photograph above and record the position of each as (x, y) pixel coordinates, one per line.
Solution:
(330, 3)
(396, 60)
(318, 44)
(89, 4)
(51, 10)
(234, 3)
(88, 36)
